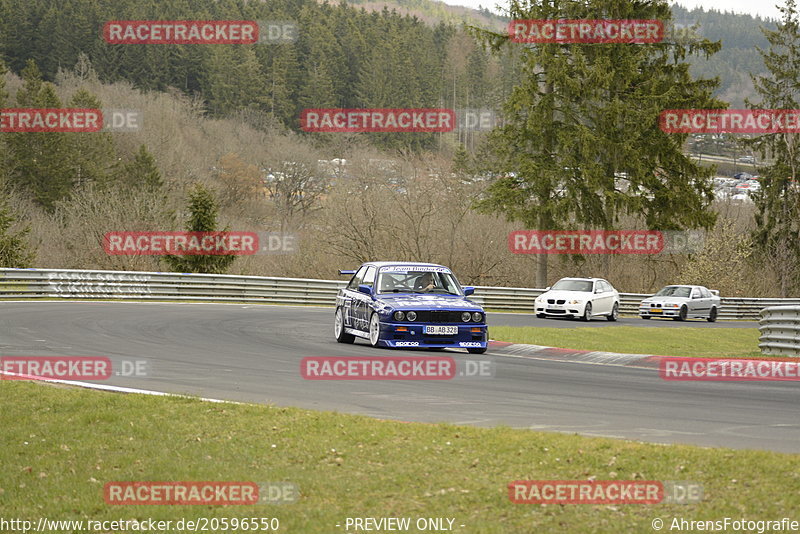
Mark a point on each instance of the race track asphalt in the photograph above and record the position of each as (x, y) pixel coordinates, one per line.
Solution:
(252, 353)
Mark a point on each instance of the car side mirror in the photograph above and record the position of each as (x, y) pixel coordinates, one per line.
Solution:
(598, 290)
(365, 289)
(468, 291)
(547, 288)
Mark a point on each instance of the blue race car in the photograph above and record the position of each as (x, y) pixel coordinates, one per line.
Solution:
(398, 304)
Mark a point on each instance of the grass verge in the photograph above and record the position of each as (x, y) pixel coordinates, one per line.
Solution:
(58, 446)
(699, 342)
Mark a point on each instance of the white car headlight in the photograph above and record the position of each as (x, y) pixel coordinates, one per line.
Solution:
(576, 302)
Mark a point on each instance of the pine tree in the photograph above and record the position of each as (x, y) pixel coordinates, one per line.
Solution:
(93, 154)
(777, 234)
(203, 218)
(141, 172)
(14, 249)
(580, 114)
(40, 162)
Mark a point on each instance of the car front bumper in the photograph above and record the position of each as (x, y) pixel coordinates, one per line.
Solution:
(663, 312)
(405, 335)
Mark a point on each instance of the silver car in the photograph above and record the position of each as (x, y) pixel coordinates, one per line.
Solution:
(681, 303)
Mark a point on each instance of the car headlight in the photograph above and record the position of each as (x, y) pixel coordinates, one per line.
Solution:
(672, 305)
(398, 316)
(411, 316)
(576, 302)
(465, 316)
(477, 317)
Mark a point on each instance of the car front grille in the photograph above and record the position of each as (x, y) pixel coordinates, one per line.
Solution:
(553, 301)
(438, 316)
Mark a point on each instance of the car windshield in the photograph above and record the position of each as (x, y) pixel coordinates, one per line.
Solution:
(418, 282)
(573, 285)
(674, 291)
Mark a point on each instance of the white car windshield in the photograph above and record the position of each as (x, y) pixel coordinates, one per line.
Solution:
(418, 282)
(573, 285)
(674, 291)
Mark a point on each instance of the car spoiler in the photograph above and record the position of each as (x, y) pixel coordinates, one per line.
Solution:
(714, 292)
(347, 271)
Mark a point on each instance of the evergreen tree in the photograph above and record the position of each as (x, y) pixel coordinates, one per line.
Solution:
(777, 234)
(41, 162)
(141, 172)
(203, 218)
(581, 114)
(92, 154)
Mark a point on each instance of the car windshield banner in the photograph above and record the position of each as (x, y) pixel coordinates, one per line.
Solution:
(414, 268)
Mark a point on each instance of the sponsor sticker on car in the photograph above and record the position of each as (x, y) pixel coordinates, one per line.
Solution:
(414, 268)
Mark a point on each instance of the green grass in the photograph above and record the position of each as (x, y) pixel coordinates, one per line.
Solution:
(58, 446)
(700, 342)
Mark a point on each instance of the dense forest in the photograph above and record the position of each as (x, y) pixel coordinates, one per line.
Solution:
(346, 56)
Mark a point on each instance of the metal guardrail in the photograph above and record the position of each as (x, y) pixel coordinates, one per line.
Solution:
(134, 285)
(780, 330)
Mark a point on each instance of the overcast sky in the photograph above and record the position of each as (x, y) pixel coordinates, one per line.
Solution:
(764, 8)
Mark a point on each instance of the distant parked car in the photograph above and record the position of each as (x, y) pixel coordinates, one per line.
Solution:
(681, 303)
(579, 297)
(747, 159)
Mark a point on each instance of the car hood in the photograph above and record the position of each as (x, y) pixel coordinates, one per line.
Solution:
(567, 295)
(667, 300)
(429, 302)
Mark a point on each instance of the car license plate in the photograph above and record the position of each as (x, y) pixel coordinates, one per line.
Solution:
(655, 310)
(440, 330)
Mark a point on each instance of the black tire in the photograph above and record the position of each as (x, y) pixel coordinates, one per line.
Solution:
(645, 317)
(682, 314)
(477, 350)
(374, 339)
(541, 316)
(614, 315)
(338, 328)
(712, 316)
(587, 312)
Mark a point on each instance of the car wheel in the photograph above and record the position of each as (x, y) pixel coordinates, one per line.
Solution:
(587, 312)
(477, 350)
(338, 329)
(645, 317)
(614, 313)
(712, 317)
(540, 316)
(682, 314)
(374, 330)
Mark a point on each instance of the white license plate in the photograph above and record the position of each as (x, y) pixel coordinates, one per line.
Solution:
(441, 330)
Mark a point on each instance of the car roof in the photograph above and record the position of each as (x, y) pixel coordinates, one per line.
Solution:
(681, 285)
(410, 263)
(585, 279)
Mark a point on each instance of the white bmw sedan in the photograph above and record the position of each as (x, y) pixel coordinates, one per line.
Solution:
(579, 297)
